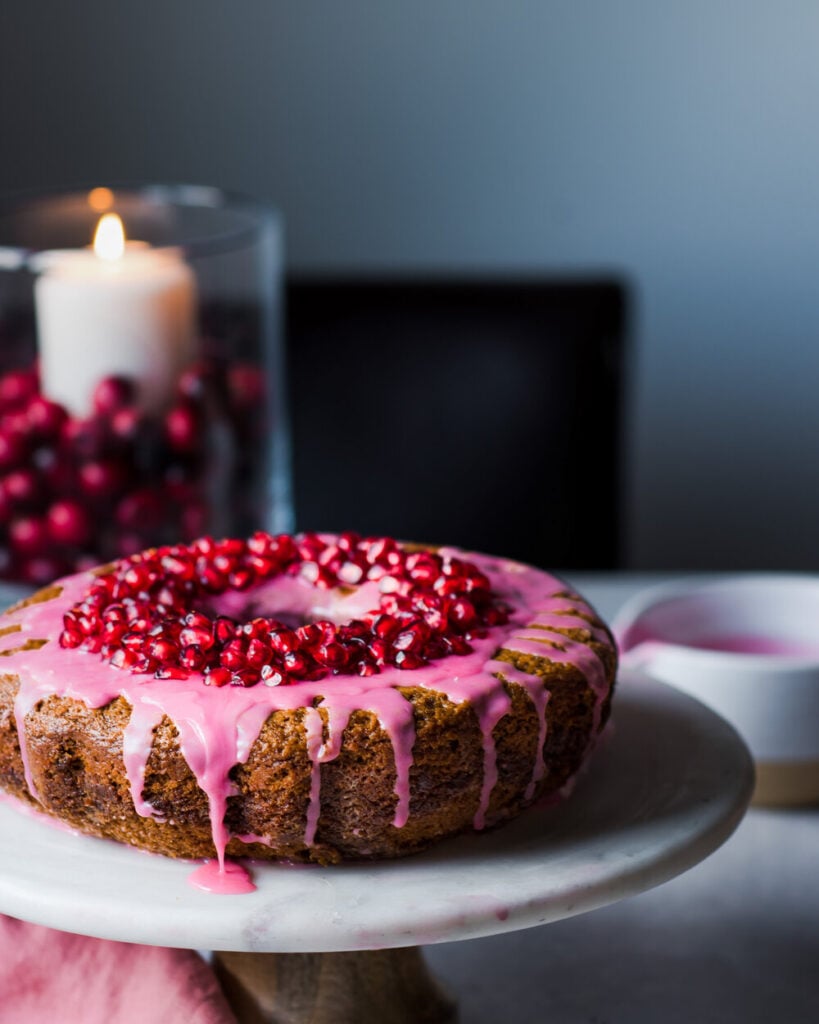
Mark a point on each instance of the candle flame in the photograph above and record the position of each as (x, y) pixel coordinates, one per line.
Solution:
(100, 199)
(109, 239)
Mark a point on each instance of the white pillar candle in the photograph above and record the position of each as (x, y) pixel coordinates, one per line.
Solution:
(117, 310)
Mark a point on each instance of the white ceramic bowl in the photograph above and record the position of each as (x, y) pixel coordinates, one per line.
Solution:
(747, 646)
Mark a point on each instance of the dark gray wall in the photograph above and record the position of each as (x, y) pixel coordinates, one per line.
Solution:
(674, 142)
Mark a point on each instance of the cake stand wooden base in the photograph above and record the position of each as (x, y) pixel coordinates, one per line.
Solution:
(383, 986)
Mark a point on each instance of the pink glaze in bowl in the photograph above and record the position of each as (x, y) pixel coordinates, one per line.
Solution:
(747, 646)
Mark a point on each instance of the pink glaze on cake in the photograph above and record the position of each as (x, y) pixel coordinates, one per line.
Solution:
(217, 729)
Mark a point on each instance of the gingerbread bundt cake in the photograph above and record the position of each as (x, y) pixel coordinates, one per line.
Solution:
(311, 697)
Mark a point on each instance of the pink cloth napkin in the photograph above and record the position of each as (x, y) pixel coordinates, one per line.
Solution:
(48, 976)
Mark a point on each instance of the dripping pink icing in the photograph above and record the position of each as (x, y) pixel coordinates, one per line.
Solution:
(217, 729)
(228, 879)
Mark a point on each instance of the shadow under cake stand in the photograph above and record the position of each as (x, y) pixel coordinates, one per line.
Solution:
(667, 786)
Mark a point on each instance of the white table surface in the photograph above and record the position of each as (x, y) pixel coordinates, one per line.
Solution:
(735, 939)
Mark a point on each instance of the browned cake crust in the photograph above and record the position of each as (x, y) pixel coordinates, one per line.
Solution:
(76, 764)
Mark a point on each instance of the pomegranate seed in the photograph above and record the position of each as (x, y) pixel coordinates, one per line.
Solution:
(310, 571)
(218, 676)
(215, 582)
(193, 657)
(351, 572)
(448, 586)
(123, 658)
(354, 630)
(393, 604)
(378, 551)
(422, 568)
(457, 645)
(332, 655)
(272, 676)
(283, 641)
(259, 543)
(233, 655)
(200, 637)
(461, 613)
(70, 638)
(310, 635)
(244, 677)
(233, 546)
(181, 568)
(413, 638)
(224, 629)
(258, 653)
(296, 663)
(258, 628)
(408, 660)
(380, 651)
(172, 672)
(309, 547)
(495, 616)
(163, 650)
(241, 579)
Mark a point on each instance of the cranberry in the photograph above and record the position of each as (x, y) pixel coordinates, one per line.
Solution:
(41, 570)
(45, 418)
(183, 429)
(83, 438)
(12, 450)
(68, 522)
(111, 394)
(246, 385)
(200, 382)
(16, 387)
(6, 503)
(28, 535)
(101, 478)
(22, 487)
(127, 424)
(140, 509)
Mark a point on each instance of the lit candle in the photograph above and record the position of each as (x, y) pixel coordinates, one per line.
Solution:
(122, 310)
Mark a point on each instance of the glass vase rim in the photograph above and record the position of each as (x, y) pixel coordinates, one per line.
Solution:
(181, 194)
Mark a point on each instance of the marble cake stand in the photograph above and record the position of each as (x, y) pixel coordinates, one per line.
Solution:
(668, 785)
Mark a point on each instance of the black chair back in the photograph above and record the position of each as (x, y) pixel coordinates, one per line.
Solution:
(480, 413)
